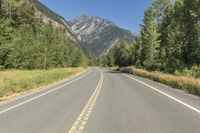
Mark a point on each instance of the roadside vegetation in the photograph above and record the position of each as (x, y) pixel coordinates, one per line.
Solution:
(188, 84)
(168, 47)
(34, 53)
(16, 81)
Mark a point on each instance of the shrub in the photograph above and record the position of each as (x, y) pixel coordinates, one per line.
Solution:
(192, 72)
(2, 68)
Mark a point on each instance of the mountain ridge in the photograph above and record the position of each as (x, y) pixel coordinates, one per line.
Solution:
(95, 34)
(98, 35)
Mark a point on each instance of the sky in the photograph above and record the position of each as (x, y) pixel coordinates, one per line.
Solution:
(127, 14)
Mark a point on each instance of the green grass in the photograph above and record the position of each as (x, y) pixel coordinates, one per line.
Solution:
(16, 81)
(188, 84)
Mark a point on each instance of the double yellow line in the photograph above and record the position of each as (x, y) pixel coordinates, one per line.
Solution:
(81, 121)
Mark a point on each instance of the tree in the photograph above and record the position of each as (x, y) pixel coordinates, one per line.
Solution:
(6, 34)
(172, 37)
(119, 55)
(160, 8)
(24, 50)
(149, 39)
(136, 51)
(164, 11)
(191, 22)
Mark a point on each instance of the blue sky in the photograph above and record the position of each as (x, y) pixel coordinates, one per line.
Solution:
(127, 14)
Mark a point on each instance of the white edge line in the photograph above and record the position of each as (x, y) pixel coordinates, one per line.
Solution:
(43, 94)
(175, 99)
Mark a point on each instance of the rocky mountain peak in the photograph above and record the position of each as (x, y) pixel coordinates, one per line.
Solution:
(96, 34)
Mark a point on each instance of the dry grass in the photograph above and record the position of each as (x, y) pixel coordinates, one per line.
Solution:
(188, 84)
(16, 81)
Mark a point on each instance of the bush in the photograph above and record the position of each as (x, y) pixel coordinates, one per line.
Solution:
(195, 70)
(2, 68)
(192, 72)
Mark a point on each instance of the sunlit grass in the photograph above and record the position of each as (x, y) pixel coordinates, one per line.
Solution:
(188, 84)
(15, 81)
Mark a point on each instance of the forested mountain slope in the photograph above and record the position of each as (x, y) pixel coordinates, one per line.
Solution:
(48, 15)
(31, 38)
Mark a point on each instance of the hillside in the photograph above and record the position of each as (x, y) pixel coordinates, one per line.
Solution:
(57, 20)
(98, 35)
(34, 37)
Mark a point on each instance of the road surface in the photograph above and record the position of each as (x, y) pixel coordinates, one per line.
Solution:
(103, 101)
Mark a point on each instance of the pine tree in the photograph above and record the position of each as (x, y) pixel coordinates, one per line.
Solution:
(149, 39)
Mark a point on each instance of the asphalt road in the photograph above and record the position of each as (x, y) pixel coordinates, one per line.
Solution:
(103, 102)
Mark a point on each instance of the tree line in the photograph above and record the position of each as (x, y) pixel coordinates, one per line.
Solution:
(169, 38)
(26, 42)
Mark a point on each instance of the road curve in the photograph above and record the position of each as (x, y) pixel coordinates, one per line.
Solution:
(112, 102)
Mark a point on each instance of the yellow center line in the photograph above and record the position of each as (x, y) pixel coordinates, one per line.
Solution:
(81, 121)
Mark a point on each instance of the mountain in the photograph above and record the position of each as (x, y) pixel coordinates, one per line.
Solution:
(57, 21)
(98, 35)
